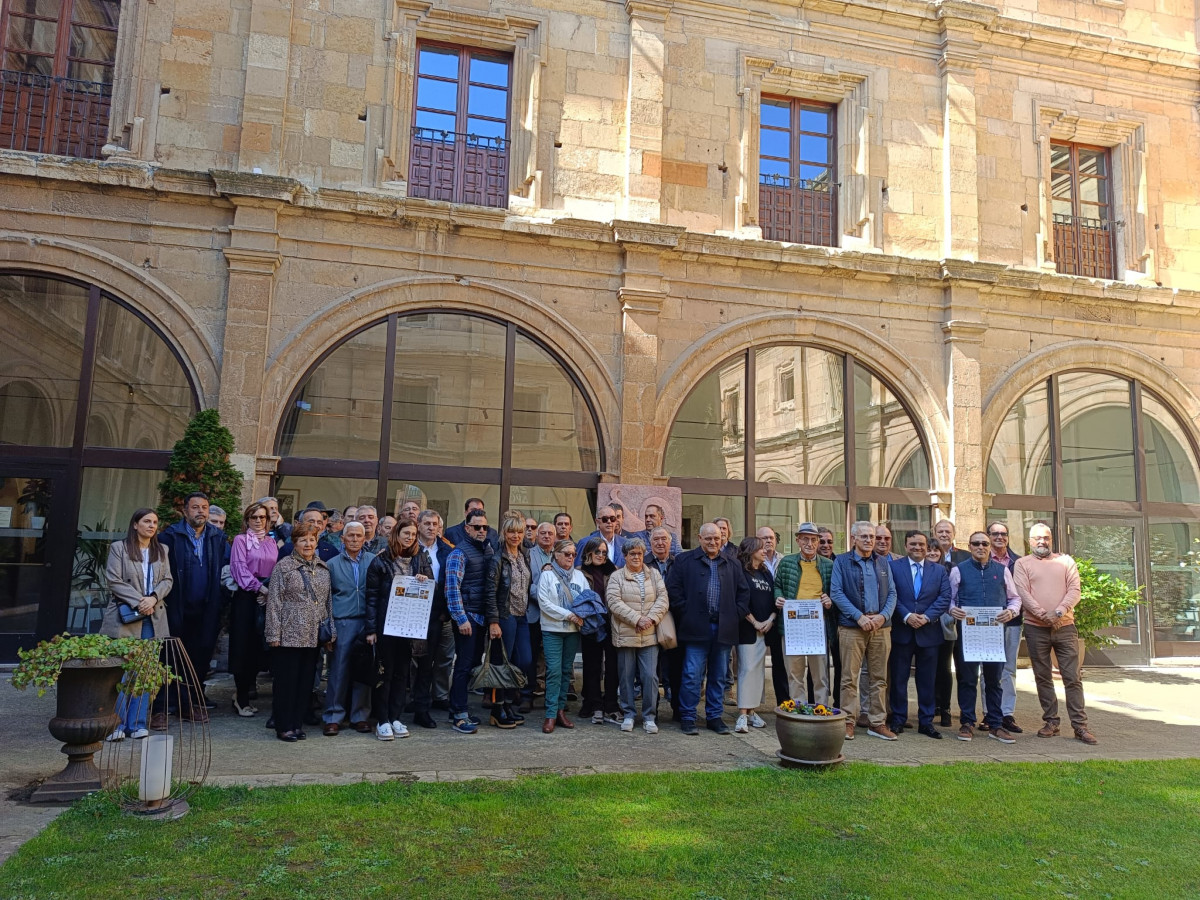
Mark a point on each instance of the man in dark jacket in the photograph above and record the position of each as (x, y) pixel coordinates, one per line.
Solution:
(709, 596)
(196, 551)
(456, 534)
(471, 599)
(922, 595)
(326, 549)
(435, 669)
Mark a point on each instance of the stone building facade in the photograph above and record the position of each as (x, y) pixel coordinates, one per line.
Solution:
(822, 259)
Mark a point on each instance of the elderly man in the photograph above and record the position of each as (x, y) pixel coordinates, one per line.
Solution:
(350, 513)
(922, 595)
(802, 576)
(408, 512)
(326, 550)
(998, 534)
(670, 662)
(943, 688)
(388, 523)
(348, 592)
(772, 557)
(727, 546)
(883, 543)
(709, 596)
(981, 581)
(1048, 583)
(864, 592)
(217, 516)
(279, 530)
(653, 518)
(607, 530)
(369, 517)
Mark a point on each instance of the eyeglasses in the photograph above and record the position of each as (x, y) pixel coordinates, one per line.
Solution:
(570, 554)
(979, 543)
(607, 519)
(997, 534)
(478, 527)
(259, 516)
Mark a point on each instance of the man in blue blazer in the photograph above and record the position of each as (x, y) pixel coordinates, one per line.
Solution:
(922, 595)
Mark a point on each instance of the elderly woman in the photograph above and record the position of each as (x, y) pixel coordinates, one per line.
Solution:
(298, 601)
(599, 656)
(251, 561)
(637, 602)
(139, 579)
(757, 618)
(556, 592)
(513, 579)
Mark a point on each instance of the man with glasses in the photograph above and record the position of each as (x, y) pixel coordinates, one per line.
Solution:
(455, 534)
(864, 592)
(606, 529)
(943, 689)
(471, 570)
(825, 543)
(883, 543)
(802, 576)
(981, 581)
(998, 535)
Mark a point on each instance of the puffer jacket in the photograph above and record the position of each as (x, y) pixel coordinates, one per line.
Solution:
(626, 606)
(294, 614)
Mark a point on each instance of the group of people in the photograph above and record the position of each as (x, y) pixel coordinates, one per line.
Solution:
(648, 617)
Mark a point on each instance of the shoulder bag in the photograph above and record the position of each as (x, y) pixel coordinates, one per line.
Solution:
(500, 676)
(130, 614)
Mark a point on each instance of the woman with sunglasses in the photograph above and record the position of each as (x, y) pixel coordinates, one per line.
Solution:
(556, 593)
(251, 561)
(599, 656)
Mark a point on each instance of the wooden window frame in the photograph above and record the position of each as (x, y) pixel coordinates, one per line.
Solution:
(1074, 241)
(803, 200)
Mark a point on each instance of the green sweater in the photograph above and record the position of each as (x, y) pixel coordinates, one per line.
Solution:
(787, 577)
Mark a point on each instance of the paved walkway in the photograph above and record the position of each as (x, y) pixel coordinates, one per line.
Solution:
(1135, 713)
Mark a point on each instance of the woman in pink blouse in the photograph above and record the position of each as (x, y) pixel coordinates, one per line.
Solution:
(251, 560)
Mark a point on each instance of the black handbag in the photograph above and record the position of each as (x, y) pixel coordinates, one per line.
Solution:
(128, 614)
(365, 667)
(498, 676)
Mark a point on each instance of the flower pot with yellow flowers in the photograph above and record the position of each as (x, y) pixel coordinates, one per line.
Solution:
(809, 734)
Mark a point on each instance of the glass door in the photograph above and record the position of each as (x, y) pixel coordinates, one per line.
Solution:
(1114, 546)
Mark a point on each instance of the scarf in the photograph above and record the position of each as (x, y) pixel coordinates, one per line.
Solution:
(254, 538)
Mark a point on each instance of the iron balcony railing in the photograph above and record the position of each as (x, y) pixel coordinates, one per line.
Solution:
(797, 210)
(1084, 246)
(458, 167)
(63, 116)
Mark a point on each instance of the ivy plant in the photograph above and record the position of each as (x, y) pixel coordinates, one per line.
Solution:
(144, 670)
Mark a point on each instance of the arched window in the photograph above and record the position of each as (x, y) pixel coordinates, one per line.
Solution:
(92, 398)
(1110, 465)
(441, 407)
(782, 453)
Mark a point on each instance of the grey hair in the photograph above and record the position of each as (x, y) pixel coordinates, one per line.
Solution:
(262, 500)
(658, 529)
(428, 514)
(214, 510)
(371, 508)
(632, 545)
(859, 526)
(359, 525)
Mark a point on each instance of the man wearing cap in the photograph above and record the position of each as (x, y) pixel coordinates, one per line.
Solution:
(805, 576)
(315, 513)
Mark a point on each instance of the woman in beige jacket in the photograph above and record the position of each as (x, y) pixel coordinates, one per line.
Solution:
(637, 602)
(139, 578)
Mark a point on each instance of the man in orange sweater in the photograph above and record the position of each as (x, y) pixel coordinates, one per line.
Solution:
(1048, 583)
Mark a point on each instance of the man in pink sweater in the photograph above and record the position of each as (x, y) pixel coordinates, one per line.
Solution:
(1048, 583)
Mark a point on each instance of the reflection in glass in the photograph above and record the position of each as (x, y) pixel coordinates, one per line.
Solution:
(1175, 586)
(449, 499)
(799, 435)
(706, 439)
(338, 411)
(295, 492)
(1021, 462)
(885, 439)
(41, 355)
(701, 508)
(1097, 436)
(1018, 522)
(1113, 549)
(543, 503)
(552, 427)
(1171, 475)
(140, 394)
(448, 395)
(898, 517)
(786, 514)
(24, 508)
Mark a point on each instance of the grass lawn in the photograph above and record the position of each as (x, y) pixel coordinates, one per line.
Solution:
(1089, 830)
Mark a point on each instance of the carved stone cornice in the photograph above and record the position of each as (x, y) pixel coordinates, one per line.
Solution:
(635, 300)
(252, 262)
(250, 184)
(629, 232)
(963, 331)
(648, 10)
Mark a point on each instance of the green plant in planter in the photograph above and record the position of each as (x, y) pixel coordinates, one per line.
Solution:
(1104, 602)
(200, 462)
(143, 666)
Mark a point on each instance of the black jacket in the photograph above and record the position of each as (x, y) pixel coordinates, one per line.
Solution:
(687, 588)
(760, 597)
(379, 587)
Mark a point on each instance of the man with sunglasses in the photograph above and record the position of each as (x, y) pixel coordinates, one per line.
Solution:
(998, 535)
(981, 581)
(456, 534)
(471, 577)
(606, 530)
(825, 543)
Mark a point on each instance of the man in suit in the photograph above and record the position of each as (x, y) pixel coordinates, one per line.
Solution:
(456, 534)
(607, 529)
(431, 686)
(922, 595)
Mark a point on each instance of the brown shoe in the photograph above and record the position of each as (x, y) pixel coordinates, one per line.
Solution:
(882, 731)
(1047, 731)
(199, 715)
(966, 733)
(1082, 734)
(1002, 735)
(330, 729)
(158, 722)
(849, 731)
(548, 726)
(562, 720)
(363, 727)
(862, 721)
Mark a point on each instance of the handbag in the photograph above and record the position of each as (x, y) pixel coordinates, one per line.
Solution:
(128, 614)
(365, 667)
(664, 632)
(496, 676)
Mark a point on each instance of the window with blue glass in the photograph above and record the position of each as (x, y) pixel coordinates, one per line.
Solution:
(797, 175)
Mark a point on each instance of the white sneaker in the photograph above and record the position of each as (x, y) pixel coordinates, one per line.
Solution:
(756, 721)
(627, 723)
(650, 726)
(383, 731)
(399, 729)
(118, 735)
(742, 726)
(139, 734)
(598, 718)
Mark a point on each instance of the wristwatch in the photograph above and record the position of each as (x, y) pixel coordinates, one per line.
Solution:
(1058, 614)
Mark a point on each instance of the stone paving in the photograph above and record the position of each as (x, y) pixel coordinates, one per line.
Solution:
(1135, 713)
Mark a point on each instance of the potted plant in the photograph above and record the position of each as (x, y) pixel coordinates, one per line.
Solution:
(86, 669)
(810, 735)
(1104, 602)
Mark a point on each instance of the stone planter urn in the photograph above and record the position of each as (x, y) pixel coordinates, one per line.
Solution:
(810, 740)
(86, 714)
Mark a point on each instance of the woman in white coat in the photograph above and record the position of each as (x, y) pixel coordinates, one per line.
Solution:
(557, 590)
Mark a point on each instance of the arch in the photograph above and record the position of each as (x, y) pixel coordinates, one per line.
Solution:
(50, 409)
(171, 315)
(290, 363)
(1114, 359)
(823, 332)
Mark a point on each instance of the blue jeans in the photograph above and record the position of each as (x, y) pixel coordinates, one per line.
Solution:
(468, 649)
(699, 656)
(134, 711)
(514, 631)
(560, 648)
(340, 683)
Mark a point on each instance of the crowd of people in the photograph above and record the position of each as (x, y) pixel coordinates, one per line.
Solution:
(655, 624)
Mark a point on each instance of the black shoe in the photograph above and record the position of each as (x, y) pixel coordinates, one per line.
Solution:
(289, 736)
(946, 721)
(513, 714)
(689, 728)
(572, 696)
(717, 725)
(271, 722)
(440, 704)
(425, 720)
(1010, 724)
(300, 735)
(899, 727)
(502, 720)
(983, 726)
(252, 694)
(930, 731)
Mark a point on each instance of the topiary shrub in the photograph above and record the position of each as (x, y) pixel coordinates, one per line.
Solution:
(200, 462)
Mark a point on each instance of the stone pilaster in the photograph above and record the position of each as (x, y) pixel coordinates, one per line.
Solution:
(644, 108)
(268, 53)
(962, 335)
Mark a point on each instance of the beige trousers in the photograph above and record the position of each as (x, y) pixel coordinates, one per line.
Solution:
(874, 647)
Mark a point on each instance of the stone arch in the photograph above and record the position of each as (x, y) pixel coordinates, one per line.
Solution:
(290, 361)
(827, 333)
(166, 309)
(1012, 384)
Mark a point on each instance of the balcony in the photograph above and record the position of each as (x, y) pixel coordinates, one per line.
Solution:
(458, 168)
(798, 211)
(1083, 246)
(63, 116)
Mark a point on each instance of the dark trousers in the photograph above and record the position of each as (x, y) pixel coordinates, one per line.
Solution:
(422, 670)
(943, 688)
(779, 680)
(833, 639)
(294, 669)
(599, 668)
(245, 643)
(442, 649)
(468, 654)
(186, 695)
(395, 653)
(899, 667)
(968, 689)
(670, 663)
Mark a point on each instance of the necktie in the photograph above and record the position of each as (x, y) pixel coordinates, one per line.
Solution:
(916, 580)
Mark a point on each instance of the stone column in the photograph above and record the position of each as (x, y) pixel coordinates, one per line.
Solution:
(644, 108)
(268, 53)
(963, 333)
